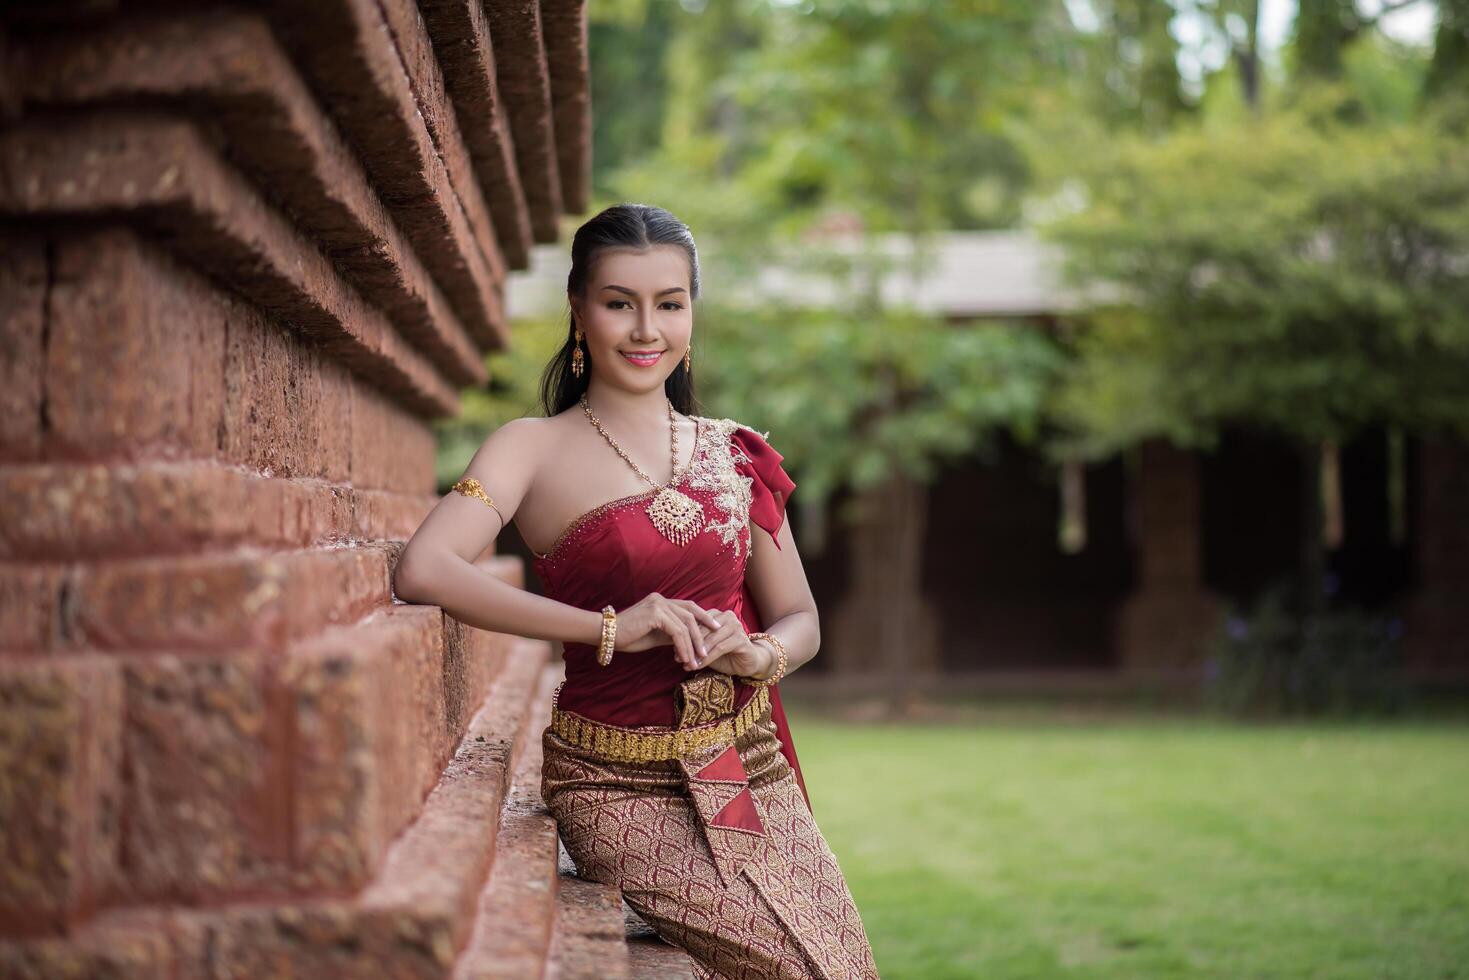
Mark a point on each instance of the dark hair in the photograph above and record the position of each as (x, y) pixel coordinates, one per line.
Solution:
(630, 226)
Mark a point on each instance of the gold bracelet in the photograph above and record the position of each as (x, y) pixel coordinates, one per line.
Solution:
(609, 635)
(780, 660)
(471, 487)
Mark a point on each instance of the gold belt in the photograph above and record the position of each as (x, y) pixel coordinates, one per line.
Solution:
(621, 744)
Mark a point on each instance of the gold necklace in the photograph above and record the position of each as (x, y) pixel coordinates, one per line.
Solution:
(676, 515)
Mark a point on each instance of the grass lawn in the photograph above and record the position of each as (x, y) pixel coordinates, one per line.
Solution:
(1150, 848)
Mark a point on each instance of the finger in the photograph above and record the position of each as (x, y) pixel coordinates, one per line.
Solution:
(678, 631)
(718, 642)
(726, 645)
(678, 636)
(696, 634)
(707, 618)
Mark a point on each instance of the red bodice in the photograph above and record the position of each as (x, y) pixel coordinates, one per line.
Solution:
(614, 555)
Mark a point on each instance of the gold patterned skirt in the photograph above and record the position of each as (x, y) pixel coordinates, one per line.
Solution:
(714, 847)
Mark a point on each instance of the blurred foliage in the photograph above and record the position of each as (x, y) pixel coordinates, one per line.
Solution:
(1290, 270)
(849, 398)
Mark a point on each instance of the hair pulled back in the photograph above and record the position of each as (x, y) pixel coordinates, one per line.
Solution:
(622, 226)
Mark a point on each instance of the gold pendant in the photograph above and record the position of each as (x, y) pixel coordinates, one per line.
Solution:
(677, 516)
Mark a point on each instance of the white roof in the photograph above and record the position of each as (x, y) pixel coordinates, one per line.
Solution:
(963, 274)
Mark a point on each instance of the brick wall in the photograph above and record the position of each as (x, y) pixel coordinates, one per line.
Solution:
(250, 253)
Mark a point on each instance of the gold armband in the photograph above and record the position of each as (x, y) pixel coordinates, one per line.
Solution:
(471, 487)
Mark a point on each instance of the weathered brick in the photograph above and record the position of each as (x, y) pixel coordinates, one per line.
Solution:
(139, 368)
(438, 865)
(317, 939)
(524, 79)
(461, 36)
(365, 86)
(388, 449)
(415, 52)
(207, 803)
(511, 936)
(253, 601)
(24, 289)
(116, 946)
(415, 917)
(367, 702)
(230, 62)
(164, 175)
(53, 512)
(60, 752)
(472, 660)
(31, 598)
(564, 27)
(377, 516)
(196, 371)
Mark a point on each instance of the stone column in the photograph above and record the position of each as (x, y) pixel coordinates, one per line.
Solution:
(1436, 624)
(1162, 625)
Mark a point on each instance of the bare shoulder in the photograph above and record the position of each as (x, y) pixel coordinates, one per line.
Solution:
(513, 452)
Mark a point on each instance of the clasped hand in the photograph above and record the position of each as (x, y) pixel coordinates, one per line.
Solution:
(700, 637)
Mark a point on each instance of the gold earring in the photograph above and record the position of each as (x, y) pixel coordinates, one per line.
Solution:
(689, 350)
(577, 358)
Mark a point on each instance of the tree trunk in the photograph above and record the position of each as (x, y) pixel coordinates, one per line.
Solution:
(1249, 59)
(885, 627)
(1449, 70)
(1312, 573)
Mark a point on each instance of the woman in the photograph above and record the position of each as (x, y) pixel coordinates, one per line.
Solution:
(668, 764)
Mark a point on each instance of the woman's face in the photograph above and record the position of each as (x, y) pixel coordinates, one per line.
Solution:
(637, 301)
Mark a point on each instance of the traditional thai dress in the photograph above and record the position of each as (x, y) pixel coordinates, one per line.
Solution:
(683, 788)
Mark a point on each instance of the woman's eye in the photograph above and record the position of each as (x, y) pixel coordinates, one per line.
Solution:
(612, 304)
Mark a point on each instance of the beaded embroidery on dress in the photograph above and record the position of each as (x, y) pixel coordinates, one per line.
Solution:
(714, 470)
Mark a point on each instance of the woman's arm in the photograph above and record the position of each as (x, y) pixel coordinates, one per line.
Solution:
(783, 595)
(778, 584)
(436, 566)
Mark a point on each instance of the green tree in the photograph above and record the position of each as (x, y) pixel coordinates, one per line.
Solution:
(1304, 276)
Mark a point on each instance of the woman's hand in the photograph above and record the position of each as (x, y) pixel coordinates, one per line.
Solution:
(656, 621)
(731, 651)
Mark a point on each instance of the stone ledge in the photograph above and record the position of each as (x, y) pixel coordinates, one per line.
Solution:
(512, 927)
(157, 363)
(524, 80)
(417, 58)
(588, 940)
(229, 67)
(410, 922)
(461, 36)
(365, 86)
(158, 170)
(52, 512)
(564, 27)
